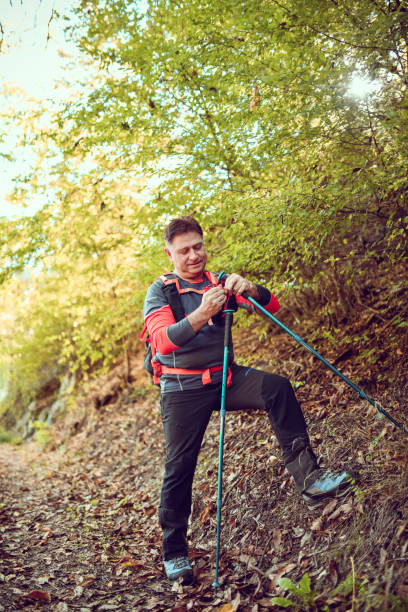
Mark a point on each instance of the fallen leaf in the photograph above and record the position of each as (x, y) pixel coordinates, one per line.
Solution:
(298, 532)
(330, 507)
(150, 510)
(317, 524)
(288, 567)
(347, 508)
(205, 513)
(38, 596)
(231, 606)
(277, 539)
(343, 509)
(265, 602)
(334, 515)
(236, 602)
(280, 571)
(133, 563)
(177, 587)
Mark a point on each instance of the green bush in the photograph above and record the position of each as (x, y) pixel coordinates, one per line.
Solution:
(8, 438)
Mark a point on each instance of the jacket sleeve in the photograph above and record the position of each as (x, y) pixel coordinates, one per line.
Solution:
(165, 333)
(266, 299)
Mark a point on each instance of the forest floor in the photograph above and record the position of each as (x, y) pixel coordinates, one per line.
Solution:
(78, 514)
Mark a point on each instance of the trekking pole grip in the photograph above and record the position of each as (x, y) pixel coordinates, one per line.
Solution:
(222, 276)
(228, 324)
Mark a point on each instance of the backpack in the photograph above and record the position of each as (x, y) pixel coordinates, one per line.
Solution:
(171, 291)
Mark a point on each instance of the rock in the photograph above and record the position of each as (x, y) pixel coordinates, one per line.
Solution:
(25, 426)
(48, 413)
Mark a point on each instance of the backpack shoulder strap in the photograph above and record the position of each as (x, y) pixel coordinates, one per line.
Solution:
(211, 277)
(169, 278)
(171, 290)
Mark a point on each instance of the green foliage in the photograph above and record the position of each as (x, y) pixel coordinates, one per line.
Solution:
(297, 152)
(8, 438)
(42, 433)
(303, 593)
(350, 585)
(305, 597)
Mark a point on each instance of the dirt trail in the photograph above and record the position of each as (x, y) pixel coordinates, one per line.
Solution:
(45, 558)
(67, 535)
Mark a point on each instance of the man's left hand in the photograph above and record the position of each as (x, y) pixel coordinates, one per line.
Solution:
(237, 285)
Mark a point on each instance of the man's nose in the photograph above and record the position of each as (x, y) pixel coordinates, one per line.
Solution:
(193, 255)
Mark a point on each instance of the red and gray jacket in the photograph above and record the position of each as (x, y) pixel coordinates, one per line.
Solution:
(186, 359)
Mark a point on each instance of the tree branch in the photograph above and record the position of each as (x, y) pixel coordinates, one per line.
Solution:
(53, 12)
(377, 148)
(330, 37)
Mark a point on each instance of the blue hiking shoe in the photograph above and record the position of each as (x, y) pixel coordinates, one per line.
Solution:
(327, 485)
(179, 567)
(313, 483)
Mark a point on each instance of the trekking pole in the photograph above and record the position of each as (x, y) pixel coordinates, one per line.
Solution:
(326, 363)
(228, 322)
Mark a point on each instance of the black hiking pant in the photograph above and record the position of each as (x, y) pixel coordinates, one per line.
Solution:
(185, 416)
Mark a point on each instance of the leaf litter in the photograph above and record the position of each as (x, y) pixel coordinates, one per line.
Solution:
(78, 522)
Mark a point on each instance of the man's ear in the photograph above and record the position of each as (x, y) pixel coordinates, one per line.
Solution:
(168, 253)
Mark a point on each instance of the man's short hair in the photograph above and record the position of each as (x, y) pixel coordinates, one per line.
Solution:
(181, 225)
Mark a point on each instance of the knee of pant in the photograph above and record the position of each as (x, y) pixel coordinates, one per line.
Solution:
(180, 465)
(273, 385)
(172, 519)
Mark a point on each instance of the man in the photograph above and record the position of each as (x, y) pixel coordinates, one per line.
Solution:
(189, 357)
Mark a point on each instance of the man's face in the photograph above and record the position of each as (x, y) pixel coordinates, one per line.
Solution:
(188, 255)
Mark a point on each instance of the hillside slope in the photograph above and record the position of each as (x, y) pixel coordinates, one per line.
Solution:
(78, 517)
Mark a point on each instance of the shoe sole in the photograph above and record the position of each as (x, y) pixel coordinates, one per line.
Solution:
(187, 579)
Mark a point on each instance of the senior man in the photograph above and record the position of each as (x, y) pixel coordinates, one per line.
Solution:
(188, 356)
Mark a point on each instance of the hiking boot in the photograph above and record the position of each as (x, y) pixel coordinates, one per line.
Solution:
(302, 463)
(179, 567)
(328, 485)
(313, 483)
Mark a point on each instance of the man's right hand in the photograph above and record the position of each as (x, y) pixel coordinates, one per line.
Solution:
(212, 302)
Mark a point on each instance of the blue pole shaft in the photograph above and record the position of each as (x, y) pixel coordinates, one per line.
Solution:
(327, 363)
(228, 323)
